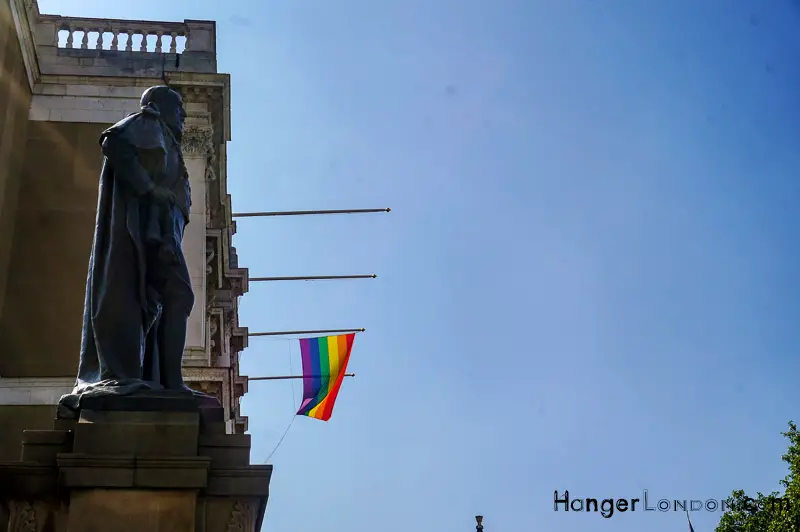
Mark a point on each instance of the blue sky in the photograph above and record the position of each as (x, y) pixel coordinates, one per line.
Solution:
(589, 280)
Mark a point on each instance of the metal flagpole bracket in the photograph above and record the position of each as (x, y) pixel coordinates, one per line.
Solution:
(285, 377)
(316, 331)
(311, 278)
(305, 213)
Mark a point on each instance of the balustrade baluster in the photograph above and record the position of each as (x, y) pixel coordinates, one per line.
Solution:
(85, 40)
(143, 47)
(99, 39)
(115, 40)
(173, 45)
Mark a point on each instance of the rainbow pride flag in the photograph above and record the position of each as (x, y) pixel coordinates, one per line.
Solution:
(324, 365)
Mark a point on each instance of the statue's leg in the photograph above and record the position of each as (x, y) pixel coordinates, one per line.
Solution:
(114, 317)
(177, 302)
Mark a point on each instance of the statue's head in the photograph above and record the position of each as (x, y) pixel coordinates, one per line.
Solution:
(169, 105)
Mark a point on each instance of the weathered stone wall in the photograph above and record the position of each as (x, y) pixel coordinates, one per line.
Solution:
(15, 97)
(49, 255)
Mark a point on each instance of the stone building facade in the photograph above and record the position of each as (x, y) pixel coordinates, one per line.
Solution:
(63, 80)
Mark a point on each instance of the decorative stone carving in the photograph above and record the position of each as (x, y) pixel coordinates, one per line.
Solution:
(212, 212)
(200, 94)
(213, 327)
(211, 302)
(211, 163)
(210, 255)
(241, 518)
(212, 261)
(212, 388)
(228, 334)
(197, 141)
(237, 285)
(22, 517)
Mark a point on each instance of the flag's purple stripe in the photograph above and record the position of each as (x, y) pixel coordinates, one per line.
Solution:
(308, 380)
(312, 381)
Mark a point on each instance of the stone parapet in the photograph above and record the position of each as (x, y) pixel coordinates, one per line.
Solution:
(124, 48)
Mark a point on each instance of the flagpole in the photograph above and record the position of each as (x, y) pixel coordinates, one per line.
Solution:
(305, 213)
(284, 377)
(318, 331)
(311, 278)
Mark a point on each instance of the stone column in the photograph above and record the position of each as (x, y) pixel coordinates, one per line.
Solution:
(197, 152)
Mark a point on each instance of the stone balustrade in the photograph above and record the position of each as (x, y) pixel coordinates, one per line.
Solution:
(104, 34)
(129, 35)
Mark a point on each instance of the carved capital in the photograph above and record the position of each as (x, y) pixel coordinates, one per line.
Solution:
(196, 141)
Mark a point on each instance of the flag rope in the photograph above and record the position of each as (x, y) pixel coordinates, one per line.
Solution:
(294, 403)
(282, 437)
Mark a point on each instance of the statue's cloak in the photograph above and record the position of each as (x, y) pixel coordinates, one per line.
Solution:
(119, 352)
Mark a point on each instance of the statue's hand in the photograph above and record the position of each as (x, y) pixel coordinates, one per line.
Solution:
(163, 195)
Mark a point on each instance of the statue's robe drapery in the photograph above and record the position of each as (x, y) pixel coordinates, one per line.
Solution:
(123, 307)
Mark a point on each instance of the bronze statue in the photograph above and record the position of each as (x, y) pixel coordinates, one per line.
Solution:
(138, 291)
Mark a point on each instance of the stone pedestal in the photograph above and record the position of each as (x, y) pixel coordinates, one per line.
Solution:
(132, 464)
